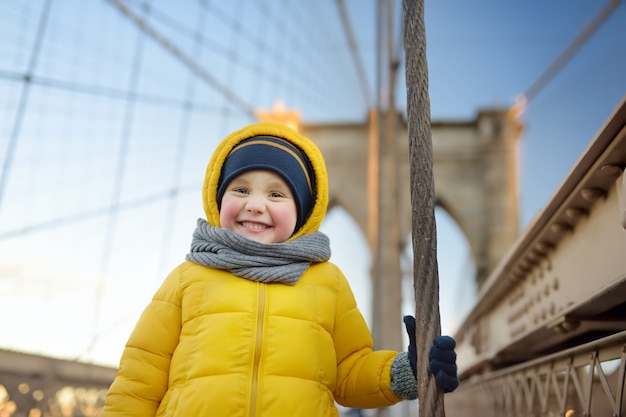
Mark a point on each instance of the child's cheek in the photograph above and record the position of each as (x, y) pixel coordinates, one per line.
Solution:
(228, 213)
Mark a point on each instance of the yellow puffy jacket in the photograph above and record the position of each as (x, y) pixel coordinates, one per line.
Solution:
(214, 344)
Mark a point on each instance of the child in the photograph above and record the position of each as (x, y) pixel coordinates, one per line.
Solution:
(257, 322)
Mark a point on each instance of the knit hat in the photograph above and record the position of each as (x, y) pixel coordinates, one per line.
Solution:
(277, 155)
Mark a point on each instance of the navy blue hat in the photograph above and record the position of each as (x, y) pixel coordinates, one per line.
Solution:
(277, 155)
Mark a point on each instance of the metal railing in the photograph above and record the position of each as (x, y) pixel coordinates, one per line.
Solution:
(587, 380)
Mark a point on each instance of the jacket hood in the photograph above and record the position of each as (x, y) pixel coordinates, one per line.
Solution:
(312, 152)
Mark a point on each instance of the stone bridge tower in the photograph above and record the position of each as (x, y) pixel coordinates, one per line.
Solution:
(475, 168)
(476, 182)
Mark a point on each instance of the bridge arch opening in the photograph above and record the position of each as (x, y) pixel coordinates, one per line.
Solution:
(457, 287)
(350, 252)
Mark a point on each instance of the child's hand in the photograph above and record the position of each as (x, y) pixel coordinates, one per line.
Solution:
(441, 358)
(409, 323)
(442, 363)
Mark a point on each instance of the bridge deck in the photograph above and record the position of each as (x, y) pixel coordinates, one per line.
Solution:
(555, 308)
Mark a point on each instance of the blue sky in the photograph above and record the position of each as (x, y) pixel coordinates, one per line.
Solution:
(487, 53)
(76, 286)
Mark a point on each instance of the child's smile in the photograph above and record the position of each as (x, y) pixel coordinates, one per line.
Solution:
(259, 205)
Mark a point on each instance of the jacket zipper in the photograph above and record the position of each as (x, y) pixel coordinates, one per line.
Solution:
(257, 350)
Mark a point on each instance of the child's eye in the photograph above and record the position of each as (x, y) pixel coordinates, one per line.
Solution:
(240, 190)
(276, 194)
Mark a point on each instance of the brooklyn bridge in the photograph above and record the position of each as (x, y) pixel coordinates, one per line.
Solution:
(110, 110)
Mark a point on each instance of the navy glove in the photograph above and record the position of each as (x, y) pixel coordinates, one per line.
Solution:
(441, 357)
(409, 323)
(442, 363)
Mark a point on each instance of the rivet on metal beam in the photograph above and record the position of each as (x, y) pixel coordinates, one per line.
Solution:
(529, 262)
(612, 170)
(536, 256)
(543, 247)
(520, 271)
(575, 213)
(569, 325)
(592, 194)
(559, 228)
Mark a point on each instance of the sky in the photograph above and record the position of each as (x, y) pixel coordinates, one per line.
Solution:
(104, 148)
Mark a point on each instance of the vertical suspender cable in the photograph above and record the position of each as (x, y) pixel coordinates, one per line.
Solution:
(5, 169)
(116, 193)
(183, 138)
(424, 233)
(354, 52)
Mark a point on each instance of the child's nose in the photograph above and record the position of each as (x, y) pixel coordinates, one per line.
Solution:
(255, 204)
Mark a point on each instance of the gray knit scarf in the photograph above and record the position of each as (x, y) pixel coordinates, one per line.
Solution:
(263, 262)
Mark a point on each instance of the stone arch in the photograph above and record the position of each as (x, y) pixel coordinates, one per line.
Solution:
(440, 202)
(349, 244)
(476, 179)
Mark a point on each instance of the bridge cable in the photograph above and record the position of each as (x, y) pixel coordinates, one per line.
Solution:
(182, 143)
(354, 51)
(74, 218)
(424, 234)
(121, 166)
(21, 109)
(562, 59)
(185, 59)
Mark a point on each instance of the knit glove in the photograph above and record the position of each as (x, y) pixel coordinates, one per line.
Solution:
(441, 358)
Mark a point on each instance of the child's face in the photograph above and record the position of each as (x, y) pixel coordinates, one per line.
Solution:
(259, 205)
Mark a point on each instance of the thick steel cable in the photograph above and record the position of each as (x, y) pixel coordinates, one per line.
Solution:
(424, 233)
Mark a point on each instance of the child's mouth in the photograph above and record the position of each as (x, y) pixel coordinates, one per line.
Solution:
(254, 225)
